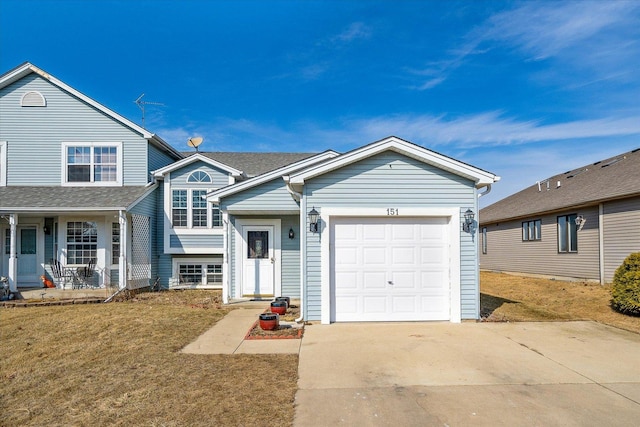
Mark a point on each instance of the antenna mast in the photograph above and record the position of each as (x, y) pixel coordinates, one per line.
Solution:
(140, 103)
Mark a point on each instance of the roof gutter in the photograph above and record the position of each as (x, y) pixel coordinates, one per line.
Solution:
(487, 191)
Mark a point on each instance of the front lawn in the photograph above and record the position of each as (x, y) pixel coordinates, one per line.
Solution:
(514, 298)
(119, 364)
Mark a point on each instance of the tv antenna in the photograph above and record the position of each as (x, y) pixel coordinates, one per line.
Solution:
(194, 142)
(140, 103)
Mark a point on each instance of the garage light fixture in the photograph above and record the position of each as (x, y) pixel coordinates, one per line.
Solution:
(313, 220)
(291, 233)
(468, 221)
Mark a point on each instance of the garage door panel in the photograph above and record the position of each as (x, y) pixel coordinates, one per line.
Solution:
(374, 280)
(374, 255)
(390, 269)
(374, 304)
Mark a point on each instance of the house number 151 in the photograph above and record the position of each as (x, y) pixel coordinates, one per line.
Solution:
(393, 211)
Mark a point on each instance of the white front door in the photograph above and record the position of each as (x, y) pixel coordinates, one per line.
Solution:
(27, 254)
(258, 261)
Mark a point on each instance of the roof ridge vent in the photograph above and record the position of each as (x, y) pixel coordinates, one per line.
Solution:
(578, 172)
(613, 162)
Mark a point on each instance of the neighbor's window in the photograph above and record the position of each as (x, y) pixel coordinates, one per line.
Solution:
(567, 233)
(82, 242)
(484, 240)
(216, 220)
(532, 230)
(115, 243)
(91, 164)
(7, 241)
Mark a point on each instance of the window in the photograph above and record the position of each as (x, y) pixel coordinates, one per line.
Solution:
(484, 240)
(199, 177)
(532, 230)
(216, 217)
(115, 243)
(190, 209)
(7, 241)
(198, 274)
(92, 164)
(199, 208)
(567, 233)
(82, 242)
(179, 208)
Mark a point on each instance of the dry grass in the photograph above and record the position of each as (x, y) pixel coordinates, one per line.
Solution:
(515, 298)
(119, 364)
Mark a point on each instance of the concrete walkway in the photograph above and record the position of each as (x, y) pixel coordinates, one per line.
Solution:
(480, 374)
(227, 336)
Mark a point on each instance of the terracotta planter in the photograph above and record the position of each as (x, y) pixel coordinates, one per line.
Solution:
(269, 321)
(285, 299)
(279, 307)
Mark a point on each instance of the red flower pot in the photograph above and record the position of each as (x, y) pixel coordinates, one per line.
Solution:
(285, 299)
(269, 321)
(279, 307)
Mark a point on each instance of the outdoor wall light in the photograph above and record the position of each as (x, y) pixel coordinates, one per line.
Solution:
(291, 234)
(313, 220)
(468, 221)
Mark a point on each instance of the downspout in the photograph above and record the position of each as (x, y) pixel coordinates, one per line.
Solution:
(303, 243)
(488, 190)
(601, 240)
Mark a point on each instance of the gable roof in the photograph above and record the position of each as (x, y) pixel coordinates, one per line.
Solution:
(194, 158)
(27, 68)
(216, 195)
(614, 178)
(69, 199)
(481, 177)
(254, 164)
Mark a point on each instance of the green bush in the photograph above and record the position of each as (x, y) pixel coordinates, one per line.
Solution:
(625, 291)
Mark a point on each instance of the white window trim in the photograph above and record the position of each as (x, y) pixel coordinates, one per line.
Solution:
(200, 182)
(190, 208)
(453, 214)
(119, 166)
(218, 259)
(3, 163)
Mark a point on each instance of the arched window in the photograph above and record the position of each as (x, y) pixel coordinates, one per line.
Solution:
(33, 99)
(199, 176)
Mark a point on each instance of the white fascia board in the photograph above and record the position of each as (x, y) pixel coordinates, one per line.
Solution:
(193, 158)
(480, 177)
(216, 195)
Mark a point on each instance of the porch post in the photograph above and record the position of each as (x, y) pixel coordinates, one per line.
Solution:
(13, 258)
(124, 248)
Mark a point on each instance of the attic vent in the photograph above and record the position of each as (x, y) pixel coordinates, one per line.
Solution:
(637, 149)
(33, 99)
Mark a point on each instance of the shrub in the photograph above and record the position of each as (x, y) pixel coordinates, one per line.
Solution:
(625, 291)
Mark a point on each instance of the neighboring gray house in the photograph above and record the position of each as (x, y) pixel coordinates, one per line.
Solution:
(580, 224)
(377, 233)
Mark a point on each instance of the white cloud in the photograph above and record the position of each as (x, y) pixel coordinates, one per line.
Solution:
(355, 31)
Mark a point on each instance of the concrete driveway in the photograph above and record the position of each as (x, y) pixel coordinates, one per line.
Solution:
(493, 374)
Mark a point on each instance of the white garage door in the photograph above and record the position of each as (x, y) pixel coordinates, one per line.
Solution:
(386, 269)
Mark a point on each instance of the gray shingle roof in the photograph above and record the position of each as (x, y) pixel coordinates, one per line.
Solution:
(253, 164)
(68, 198)
(614, 178)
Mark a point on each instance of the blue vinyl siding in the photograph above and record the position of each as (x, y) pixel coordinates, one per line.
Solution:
(42, 130)
(391, 180)
(158, 158)
(196, 241)
(272, 195)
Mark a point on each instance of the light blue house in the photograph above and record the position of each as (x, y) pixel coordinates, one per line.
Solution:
(378, 233)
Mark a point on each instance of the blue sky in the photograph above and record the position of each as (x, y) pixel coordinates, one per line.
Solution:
(522, 89)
